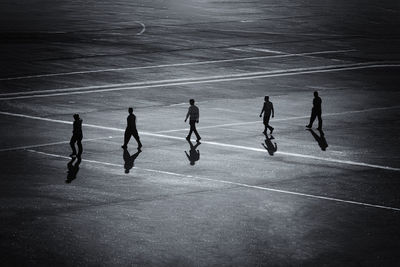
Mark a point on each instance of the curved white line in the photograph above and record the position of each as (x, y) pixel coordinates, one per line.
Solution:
(143, 28)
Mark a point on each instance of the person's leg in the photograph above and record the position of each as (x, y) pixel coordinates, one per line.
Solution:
(79, 143)
(72, 144)
(319, 121)
(137, 138)
(192, 127)
(265, 121)
(195, 132)
(127, 137)
(312, 118)
(270, 128)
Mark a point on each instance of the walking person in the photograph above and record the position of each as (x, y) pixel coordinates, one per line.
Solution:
(194, 115)
(131, 130)
(316, 111)
(76, 136)
(268, 110)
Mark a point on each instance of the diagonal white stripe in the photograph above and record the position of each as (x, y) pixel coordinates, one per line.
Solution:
(233, 183)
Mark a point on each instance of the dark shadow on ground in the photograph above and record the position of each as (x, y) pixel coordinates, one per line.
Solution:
(129, 160)
(319, 138)
(269, 146)
(73, 169)
(193, 155)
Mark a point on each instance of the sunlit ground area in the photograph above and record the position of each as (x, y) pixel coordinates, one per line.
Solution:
(327, 198)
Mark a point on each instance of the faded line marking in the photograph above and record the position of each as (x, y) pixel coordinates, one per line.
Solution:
(268, 51)
(283, 119)
(143, 28)
(217, 79)
(54, 143)
(232, 183)
(175, 65)
(348, 162)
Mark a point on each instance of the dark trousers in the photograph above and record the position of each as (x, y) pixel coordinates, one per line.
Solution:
(193, 129)
(315, 114)
(78, 140)
(266, 123)
(128, 134)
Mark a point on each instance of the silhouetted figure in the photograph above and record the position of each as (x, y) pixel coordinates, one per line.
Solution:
(131, 130)
(130, 160)
(194, 115)
(76, 136)
(320, 138)
(268, 110)
(271, 148)
(194, 155)
(316, 111)
(73, 169)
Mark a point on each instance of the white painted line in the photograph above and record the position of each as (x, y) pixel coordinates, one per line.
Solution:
(282, 119)
(54, 143)
(347, 162)
(174, 65)
(232, 183)
(143, 28)
(267, 51)
(238, 49)
(215, 79)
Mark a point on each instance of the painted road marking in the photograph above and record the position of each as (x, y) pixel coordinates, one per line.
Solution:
(346, 162)
(208, 79)
(54, 143)
(177, 64)
(230, 183)
(283, 119)
(143, 28)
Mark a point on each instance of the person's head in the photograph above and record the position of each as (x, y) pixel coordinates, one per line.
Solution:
(76, 117)
(130, 110)
(315, 94)
(191, 101)
(266, 98)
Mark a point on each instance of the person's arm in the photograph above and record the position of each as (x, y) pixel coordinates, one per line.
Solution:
(262, 110)
(272, 105)
(187, 115)
(198, 115)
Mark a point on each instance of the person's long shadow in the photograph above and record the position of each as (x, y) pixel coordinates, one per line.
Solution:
(129, 160)
(73, 169)
(269, 146)
(193, 155)
(320, 139)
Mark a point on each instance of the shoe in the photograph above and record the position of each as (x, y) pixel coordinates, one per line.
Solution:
(271, 131)
(124, 146)
(308, 126)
